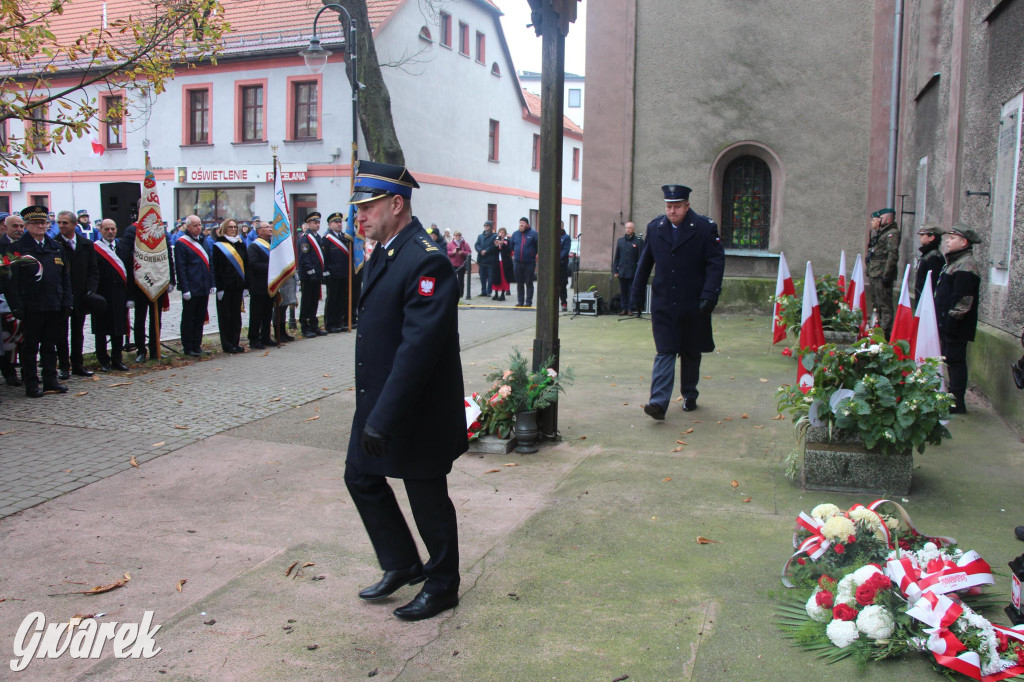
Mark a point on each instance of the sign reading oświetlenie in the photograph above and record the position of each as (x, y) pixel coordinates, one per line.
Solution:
(239, 175)
(82, 638)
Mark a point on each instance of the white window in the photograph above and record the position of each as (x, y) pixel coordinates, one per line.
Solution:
(1005, 189)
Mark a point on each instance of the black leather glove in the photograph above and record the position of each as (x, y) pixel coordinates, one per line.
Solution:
(375, 443)
(707, 306)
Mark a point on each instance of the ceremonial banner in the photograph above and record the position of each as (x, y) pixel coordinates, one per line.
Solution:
(357, 239)
(152, 272)
(282, 251)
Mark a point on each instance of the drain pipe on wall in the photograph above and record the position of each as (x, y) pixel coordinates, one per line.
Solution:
(894, 103)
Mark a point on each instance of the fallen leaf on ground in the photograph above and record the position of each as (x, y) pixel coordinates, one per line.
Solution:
(120, 383)
(682, 442)
(81, 393)
(666, 479)
(266, 353)
(695, 421)
(707, 376)
(583, 437)
(763, 380)
(120, 582)
(613, 384)
(732, 377)
(678, 448)
(313, 418)
(327, 376)
(134, 462)
(625, 403)
(679, 398)
(744, 416)
(701, 540)
(156, 445)
(492, 471)
(728, 419)
(307, 564)
(745, 500)
(778, 417)
(180, 583)
(689, 430)
(734, 484)
(290, 569)
(719, 421)
(179, 426)
(759, 426)
(4, 433)
(276, 400)
(511, 464)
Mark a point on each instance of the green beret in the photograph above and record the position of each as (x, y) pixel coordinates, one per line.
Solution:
(883, 211)
(876, 214)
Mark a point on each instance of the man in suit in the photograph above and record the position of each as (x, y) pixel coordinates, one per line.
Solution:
(115, 277)
(140, 301)
(261, 306)
(337, 263)
(85, 279)
(195, 282)
(311, 273)
(690, 261)
(39, 295)
(13, 227)
(407, 358)
(627, 255)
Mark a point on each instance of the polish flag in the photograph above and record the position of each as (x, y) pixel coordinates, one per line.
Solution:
(926, 342)
(97, 148)
(856, 295)
(783, 287)
(812, 335)
(842, 271)
(904, 325)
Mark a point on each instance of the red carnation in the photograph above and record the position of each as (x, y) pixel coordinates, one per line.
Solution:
(839, 549)
(852, 539)
(866, 594)
(844, 612)
(786, 352)
(824, 599)
(1004, 642)
(904, 545)
(879, 582)
(801, 561)
(1020, 656)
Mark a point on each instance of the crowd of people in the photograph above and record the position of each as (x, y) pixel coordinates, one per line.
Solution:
(52, 281)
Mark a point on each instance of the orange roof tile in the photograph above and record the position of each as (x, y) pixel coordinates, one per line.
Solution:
(533, 107)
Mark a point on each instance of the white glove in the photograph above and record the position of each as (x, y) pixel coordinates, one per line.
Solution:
(213, 290)
(130, 304)
(311, 272)
(245, 293)
(220, 295)
(170, 288)
(326, 273)
(186, 296)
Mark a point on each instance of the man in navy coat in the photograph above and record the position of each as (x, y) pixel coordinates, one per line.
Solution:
(691, 261)
(195, 282)
(311, 273)
(410, 420)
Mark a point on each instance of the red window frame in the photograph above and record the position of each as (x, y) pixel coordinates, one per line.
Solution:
(446, 30)
(536, 152)
(464, 39)
(194, 118)
(493, 140)
(481, 48)
(251, 114)
(113, 136)
(575, 163)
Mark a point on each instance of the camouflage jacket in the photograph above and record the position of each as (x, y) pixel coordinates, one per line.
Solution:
(884, 255)
(956, 296)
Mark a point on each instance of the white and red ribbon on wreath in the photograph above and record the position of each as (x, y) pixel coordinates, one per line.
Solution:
(940, 576)
(950, 652)
(472, 415)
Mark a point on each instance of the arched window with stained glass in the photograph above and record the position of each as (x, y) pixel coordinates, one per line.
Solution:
(746, 204)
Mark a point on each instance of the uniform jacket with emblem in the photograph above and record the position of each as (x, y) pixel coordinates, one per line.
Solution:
(114, 289)
(310, 267)
(932, 261)
(336, 260)
(408, 370)
(257, 273)
(627, 256)
(884, 256)
(686, 272)
(52, 292)
(85, 272)
(225, 276)
(956, 296)
(194, 274)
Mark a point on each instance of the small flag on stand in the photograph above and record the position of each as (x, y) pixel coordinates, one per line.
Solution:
(926, 341)
(842, 271)
(856, 295)
(812, 334)
(783, 287)
(904, 325)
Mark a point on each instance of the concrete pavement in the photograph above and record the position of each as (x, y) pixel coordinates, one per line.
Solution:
(580, 562)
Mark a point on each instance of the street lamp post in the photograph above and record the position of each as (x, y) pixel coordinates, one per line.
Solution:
(316, 61)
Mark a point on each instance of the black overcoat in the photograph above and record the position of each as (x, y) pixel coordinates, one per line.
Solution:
(627, 255)
(85, 274)
(687, 271)
(408, 369)
(114, 288)
(44, 286)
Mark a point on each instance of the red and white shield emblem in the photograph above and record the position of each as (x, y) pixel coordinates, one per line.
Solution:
(426, 286)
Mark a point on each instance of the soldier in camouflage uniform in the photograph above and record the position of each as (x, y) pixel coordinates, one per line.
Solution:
(883, 257)
(931, 258)
(956, 307)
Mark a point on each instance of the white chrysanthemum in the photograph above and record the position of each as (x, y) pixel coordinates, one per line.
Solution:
(863, 574)
(927, 553)
(876, 622)
(863, 514)
(842, 633)
(892, 522)
(815, 612)
(846, 591)
(825, 511)
(838, 529)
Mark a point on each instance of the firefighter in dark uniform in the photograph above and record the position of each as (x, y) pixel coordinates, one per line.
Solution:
(883, 259)
(931, 258)
(691, 261)
(39, 294)
(311, 274)
(336, 267)
(410, 419)
(627, 255)
(956, 307)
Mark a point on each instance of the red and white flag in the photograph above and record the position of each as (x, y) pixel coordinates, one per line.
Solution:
(96, 149)
(904, 325)
(926, 341)
(783, 287)
(842, 271)
(856, 295)
(812, 334)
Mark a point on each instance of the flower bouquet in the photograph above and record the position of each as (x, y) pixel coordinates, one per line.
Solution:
(517, 389)
(869, 585)
(836, 315)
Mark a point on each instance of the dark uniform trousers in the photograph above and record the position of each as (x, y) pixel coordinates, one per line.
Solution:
(955, 353)
(261, 313)
(433, 513)
(662, 376)
(144, 309)
(336, 305)
(193, 315)
(229, 315)
(70, 357)
(42, 332)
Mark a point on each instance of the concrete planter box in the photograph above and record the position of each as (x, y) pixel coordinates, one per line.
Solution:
(843, 464)
(492, 445)
(841, 339)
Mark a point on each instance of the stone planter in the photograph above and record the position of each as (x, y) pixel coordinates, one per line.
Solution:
(492, 445)
(844, 465)
(841, 339)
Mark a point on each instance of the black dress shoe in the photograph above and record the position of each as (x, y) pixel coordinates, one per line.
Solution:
(256, 345)
(57, 388)
(427, 605)
(140, 358)
(12, 380)
(392, 581)
(689, 404)
(194, 354)
(119, 366)
(232, 350)
(64, 375)
(308, 334)
(82, 372)
(104, 368)
(1018, 374)
(33, 392)
(319, 332)
(286, 338)
(655, 411)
